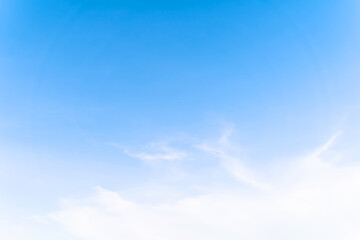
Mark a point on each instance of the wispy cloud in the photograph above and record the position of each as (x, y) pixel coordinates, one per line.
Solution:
(305, 201)
(154, 152)
(165, 154)
(231, 163)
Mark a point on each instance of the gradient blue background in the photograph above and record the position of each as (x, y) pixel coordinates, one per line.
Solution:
(77, 75)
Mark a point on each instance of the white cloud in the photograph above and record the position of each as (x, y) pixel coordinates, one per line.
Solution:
(231, 163)
(154, 152)
(166, 154)
(312, 198)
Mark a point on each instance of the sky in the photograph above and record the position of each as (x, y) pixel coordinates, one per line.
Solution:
(157, 120)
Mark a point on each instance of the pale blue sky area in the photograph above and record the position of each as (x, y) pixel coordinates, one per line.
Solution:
(87, 86)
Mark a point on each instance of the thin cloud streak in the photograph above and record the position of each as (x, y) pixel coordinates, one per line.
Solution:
(155, 152)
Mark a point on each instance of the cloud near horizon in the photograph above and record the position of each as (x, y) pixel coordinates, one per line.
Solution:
(311, 198)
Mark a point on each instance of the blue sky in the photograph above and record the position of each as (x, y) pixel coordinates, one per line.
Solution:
(155, 102)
